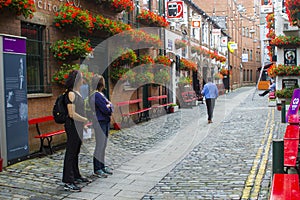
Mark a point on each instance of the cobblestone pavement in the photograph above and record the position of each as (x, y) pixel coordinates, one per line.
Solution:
(224, 165)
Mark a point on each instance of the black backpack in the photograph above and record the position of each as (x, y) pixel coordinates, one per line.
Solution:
(60, 111)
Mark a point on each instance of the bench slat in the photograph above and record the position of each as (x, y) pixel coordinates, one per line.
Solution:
(44, 135)
(40, 120)
(285, 186)
(290, 152)
(292, 132)
(136, 112)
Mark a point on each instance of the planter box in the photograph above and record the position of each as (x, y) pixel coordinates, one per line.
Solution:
(173, 109)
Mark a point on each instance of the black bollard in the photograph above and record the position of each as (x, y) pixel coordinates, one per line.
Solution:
(283, 112)
(277, 165)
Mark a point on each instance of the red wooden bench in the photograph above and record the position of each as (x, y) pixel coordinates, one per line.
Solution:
(155, 107)
(126, 114)
(285, 186)
(42, 136)
(291, 143)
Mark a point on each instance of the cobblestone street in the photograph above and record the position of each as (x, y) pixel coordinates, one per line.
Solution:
(174, 156)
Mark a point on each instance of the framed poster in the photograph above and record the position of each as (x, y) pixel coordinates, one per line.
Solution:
(290, 56)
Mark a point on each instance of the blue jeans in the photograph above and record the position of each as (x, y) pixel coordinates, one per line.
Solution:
(101, 135)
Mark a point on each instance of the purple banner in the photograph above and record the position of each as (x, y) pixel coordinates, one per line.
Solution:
(294, 105)
(14, 45)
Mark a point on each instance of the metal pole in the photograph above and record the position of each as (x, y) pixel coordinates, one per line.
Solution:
(278, 164)
(283, 112)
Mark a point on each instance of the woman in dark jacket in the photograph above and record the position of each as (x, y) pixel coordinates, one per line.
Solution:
(103, 109)
(74, 129)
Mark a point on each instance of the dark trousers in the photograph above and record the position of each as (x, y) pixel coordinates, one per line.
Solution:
(71, 169)
(210, 105)
(265, 92)
(101, 135)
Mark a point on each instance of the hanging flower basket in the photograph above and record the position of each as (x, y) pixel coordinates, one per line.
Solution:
(70, 49)
(72, 16)
(150, 18)
(292, 9)
(180, 44)
(144, 60)
(283, 70)
(19, 7)
(109, 26)
(141, 38)
(164, 60)
(124, 57)
(119, 5)
(61, 75)
(285, 41)
(187, 65)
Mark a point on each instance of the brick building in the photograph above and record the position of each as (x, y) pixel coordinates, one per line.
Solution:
(42, 31)
(242, 25)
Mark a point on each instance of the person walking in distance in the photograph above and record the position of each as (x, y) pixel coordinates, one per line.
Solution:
(103, 109)
(74, 130)
(210, 92)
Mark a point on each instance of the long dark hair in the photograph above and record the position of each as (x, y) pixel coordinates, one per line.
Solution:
(73, 78)
(98, 82)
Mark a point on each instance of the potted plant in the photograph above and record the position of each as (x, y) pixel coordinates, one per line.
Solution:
(151, 19)
(70, 15)
(173, 108)
(19, 7)
(124, 57)
(164, 60)
(120, 5)
(285, 94)
(282, 41)
(292, 9)
(144, 60)
(180, 44)
(283, 70)
(61, 75)
(70, 49)
(186, 64)
(109, 26)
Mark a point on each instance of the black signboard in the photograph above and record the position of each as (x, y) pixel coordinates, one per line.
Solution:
(290, 56)
(289, 83)
(15, 88)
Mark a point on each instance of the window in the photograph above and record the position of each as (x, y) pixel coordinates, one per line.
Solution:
(247, 78)
(251, 56)
(38, 80)
(251, 78)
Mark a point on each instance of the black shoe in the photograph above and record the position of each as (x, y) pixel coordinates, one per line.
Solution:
(260, 95)
(72, 187)
(82, 180)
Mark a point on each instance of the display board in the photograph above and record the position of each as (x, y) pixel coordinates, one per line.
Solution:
(13, 64)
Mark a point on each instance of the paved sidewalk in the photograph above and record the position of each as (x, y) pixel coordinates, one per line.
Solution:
(175, 156)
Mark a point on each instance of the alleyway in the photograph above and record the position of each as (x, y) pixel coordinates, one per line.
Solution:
(175, 156)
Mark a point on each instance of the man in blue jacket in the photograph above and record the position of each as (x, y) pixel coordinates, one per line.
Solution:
(210, 92)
